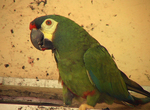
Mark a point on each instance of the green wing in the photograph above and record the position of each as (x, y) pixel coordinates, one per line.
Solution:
(105, 74)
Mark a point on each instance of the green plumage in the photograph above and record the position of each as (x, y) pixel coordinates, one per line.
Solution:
(105, 75)
(86, 68)
(70, 47)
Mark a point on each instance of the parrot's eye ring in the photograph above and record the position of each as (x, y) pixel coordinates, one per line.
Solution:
(48, 22)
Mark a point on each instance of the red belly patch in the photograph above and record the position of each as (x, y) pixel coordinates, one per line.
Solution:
(85, 94)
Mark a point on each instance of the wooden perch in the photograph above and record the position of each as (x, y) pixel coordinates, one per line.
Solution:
(44, 96)
(32, 95)
(30, 101)
(40, 96)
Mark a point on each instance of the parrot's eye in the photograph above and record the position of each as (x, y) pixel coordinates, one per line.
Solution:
(48, 22)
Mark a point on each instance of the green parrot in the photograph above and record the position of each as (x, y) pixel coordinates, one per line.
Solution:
(85, 67)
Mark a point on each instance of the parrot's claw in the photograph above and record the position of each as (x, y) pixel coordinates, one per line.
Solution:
(85, 106)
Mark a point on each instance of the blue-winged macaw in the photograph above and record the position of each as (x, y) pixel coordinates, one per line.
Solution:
(86, 68)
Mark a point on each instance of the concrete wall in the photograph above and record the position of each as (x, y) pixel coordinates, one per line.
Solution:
(121, 26)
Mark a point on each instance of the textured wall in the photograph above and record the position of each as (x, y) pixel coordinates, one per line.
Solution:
(121, 26)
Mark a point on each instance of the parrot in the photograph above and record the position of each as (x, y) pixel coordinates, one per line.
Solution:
(86, 69)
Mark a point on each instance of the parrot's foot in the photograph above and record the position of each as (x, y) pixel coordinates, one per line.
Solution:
(85, 106)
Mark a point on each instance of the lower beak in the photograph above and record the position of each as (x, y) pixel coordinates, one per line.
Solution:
(38, 40)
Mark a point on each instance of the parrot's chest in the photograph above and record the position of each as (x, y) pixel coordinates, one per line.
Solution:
(73, 73)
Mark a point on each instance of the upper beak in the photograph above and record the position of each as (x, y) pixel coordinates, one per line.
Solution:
(38, 40)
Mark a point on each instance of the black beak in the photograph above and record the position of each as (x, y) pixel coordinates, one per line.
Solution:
(38, 41)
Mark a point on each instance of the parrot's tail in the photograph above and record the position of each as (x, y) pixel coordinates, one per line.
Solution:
(138, 101)
(133, 86)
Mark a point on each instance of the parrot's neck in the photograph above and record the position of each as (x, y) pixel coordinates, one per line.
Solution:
(73, 43)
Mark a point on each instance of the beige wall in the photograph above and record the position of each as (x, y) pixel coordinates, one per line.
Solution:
(123, 27)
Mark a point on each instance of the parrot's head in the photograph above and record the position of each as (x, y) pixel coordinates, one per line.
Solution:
(45, 30)
(42, 30)
(57, 33)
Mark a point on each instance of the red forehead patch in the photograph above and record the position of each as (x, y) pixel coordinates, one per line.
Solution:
(32, 25)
